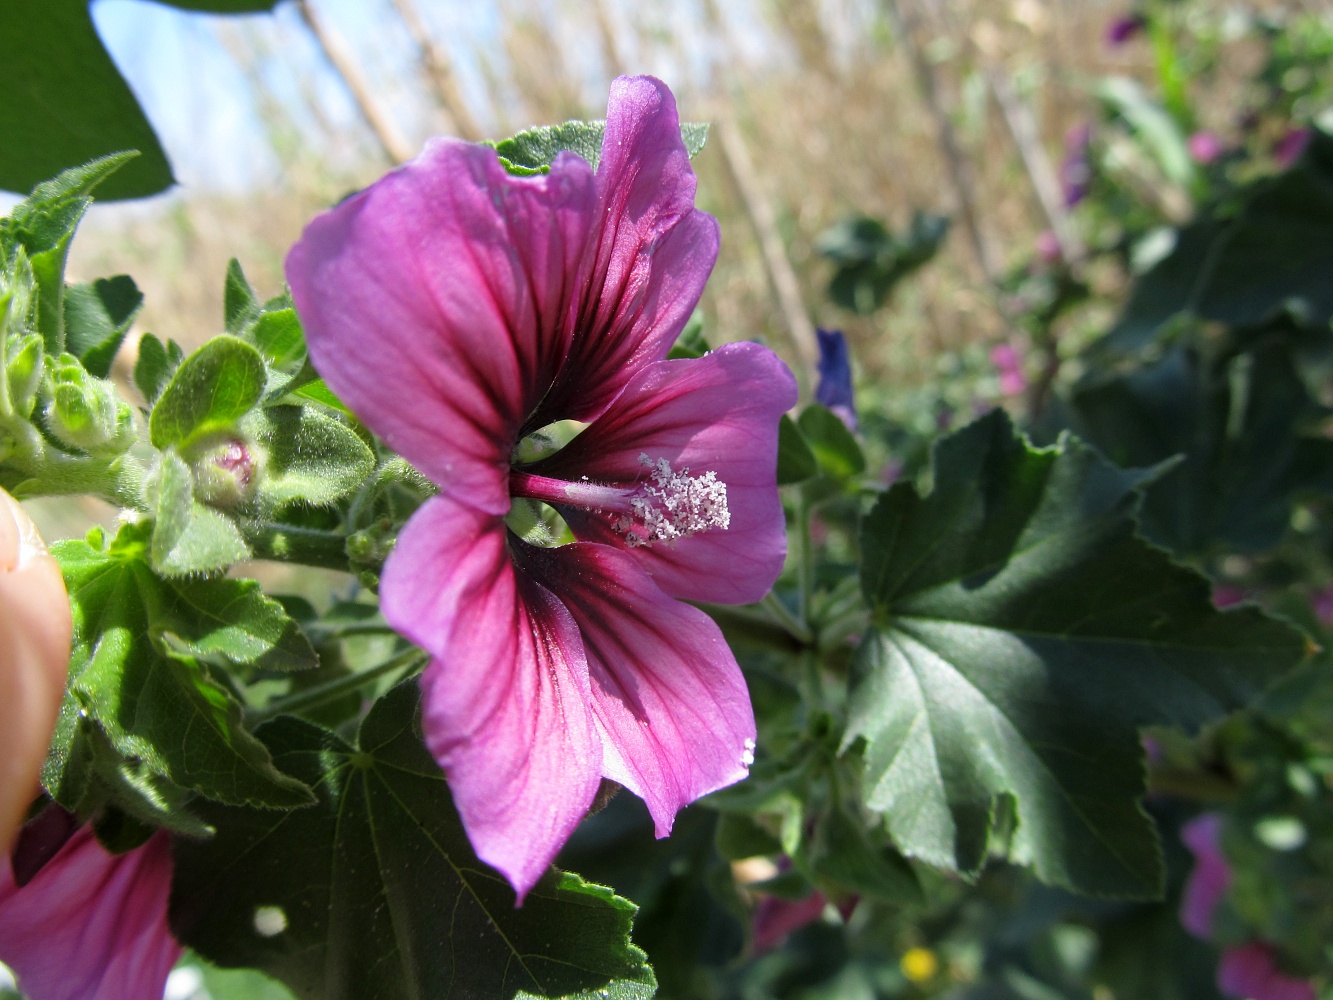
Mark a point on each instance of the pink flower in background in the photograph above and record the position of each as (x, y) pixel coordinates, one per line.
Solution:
(1076, 167)
(79, 923)
(1250, 971)
(1225, 595)
(1122, 29)
(1009, 365)
(1290, 147)
(1321, 603)
(458, 309)
(775, 919)
(1049, 250)
(1205, 147)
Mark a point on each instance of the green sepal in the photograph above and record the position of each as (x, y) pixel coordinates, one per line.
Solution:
(375, 891)
(209, 393)
(85, 412)
(189, 537)
(97, 317)
(309, 457)
(1022, 635)
(533, 150)
(133, 676)
(23, 370)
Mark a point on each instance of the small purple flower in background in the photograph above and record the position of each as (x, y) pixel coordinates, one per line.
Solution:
(1290, 147)
(1225, 595)
(79, 923)
(1321, 603)
(1122, 29)
(458, 309)
(1049, 250)
(835, 376)
(1076, 169)
(1009, 364)
(1204, 147)
(1249, 971)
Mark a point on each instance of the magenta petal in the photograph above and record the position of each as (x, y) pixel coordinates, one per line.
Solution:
(650, 258)
(1250, 972)
(718, 413)
(775, 919)
(90, 925)
(668, 697)
(1211, 877)
(436, 305)
(505, 701)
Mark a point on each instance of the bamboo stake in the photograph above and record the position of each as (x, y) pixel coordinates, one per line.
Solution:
(395, 146)
(439, 70)
(781, 275)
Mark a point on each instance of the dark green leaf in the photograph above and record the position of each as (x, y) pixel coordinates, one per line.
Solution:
(842, 852)
(155, 365)
(211, 390)
(1244, 429)
(1022, 635)
(189, 537)
(796, 462)
(240, 305)
(97, 317)
(870, 260)
(838, 454)
(132, 676)
(378, 891)
(534, 150)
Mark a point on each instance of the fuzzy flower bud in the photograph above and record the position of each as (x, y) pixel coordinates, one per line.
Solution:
(82, 411)
(224, 472)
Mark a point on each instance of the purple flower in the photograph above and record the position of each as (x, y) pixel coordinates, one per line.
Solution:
(835, 376)
(79, 923)
(1248, 971)
(1204, 147)
(1121, 29)
(1075, 169)
(1049, 250)
(1225, 595)
(1321, 603)
(1289, 148)
(457, 310)
(1251, 972)
(775, 919)
(1009, 365)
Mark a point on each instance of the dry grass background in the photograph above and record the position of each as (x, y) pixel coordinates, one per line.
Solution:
(822, 93)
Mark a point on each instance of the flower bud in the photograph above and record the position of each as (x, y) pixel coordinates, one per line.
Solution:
(23, 371)
(83, 411)
(224, 472)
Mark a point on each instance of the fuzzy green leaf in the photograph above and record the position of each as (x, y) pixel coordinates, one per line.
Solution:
(312, 458)
(1022, 633)
(97, 317)
(189, 537)
(533, 150)
(379, 891)
(133, 677)
(211, 390)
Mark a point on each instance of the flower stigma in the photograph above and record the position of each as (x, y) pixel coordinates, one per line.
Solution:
(666, 506)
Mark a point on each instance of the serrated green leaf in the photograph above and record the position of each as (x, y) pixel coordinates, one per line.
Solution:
(1022, 635)
(380, 893)
(155, 365)
(832, 444)
(97, 317)
(159, 707)
(244, 626)
(533, 150)
(188, 537)
(312, 458)
(211, 390)
(796, 462)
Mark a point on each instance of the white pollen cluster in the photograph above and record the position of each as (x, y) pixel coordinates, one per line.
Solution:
(673, 505)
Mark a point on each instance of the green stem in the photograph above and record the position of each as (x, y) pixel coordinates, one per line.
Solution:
(796, 628)
(312, 697)
(290, 544)
(118, 480)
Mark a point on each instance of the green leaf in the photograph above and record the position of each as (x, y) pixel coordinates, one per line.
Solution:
(842, 853)
(240, 305)
(533, 150)
(155, 365)
(796, 462)
(133, 677)
(279, 336)
(1245, 430)
(1156, 128)
(312, 458)
(870, 260)
(67, 103)
(189, 537)
(317, 391)
(377, 892)
(97, 317)
(1021, 635)
(211, 390)
(838, 454)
